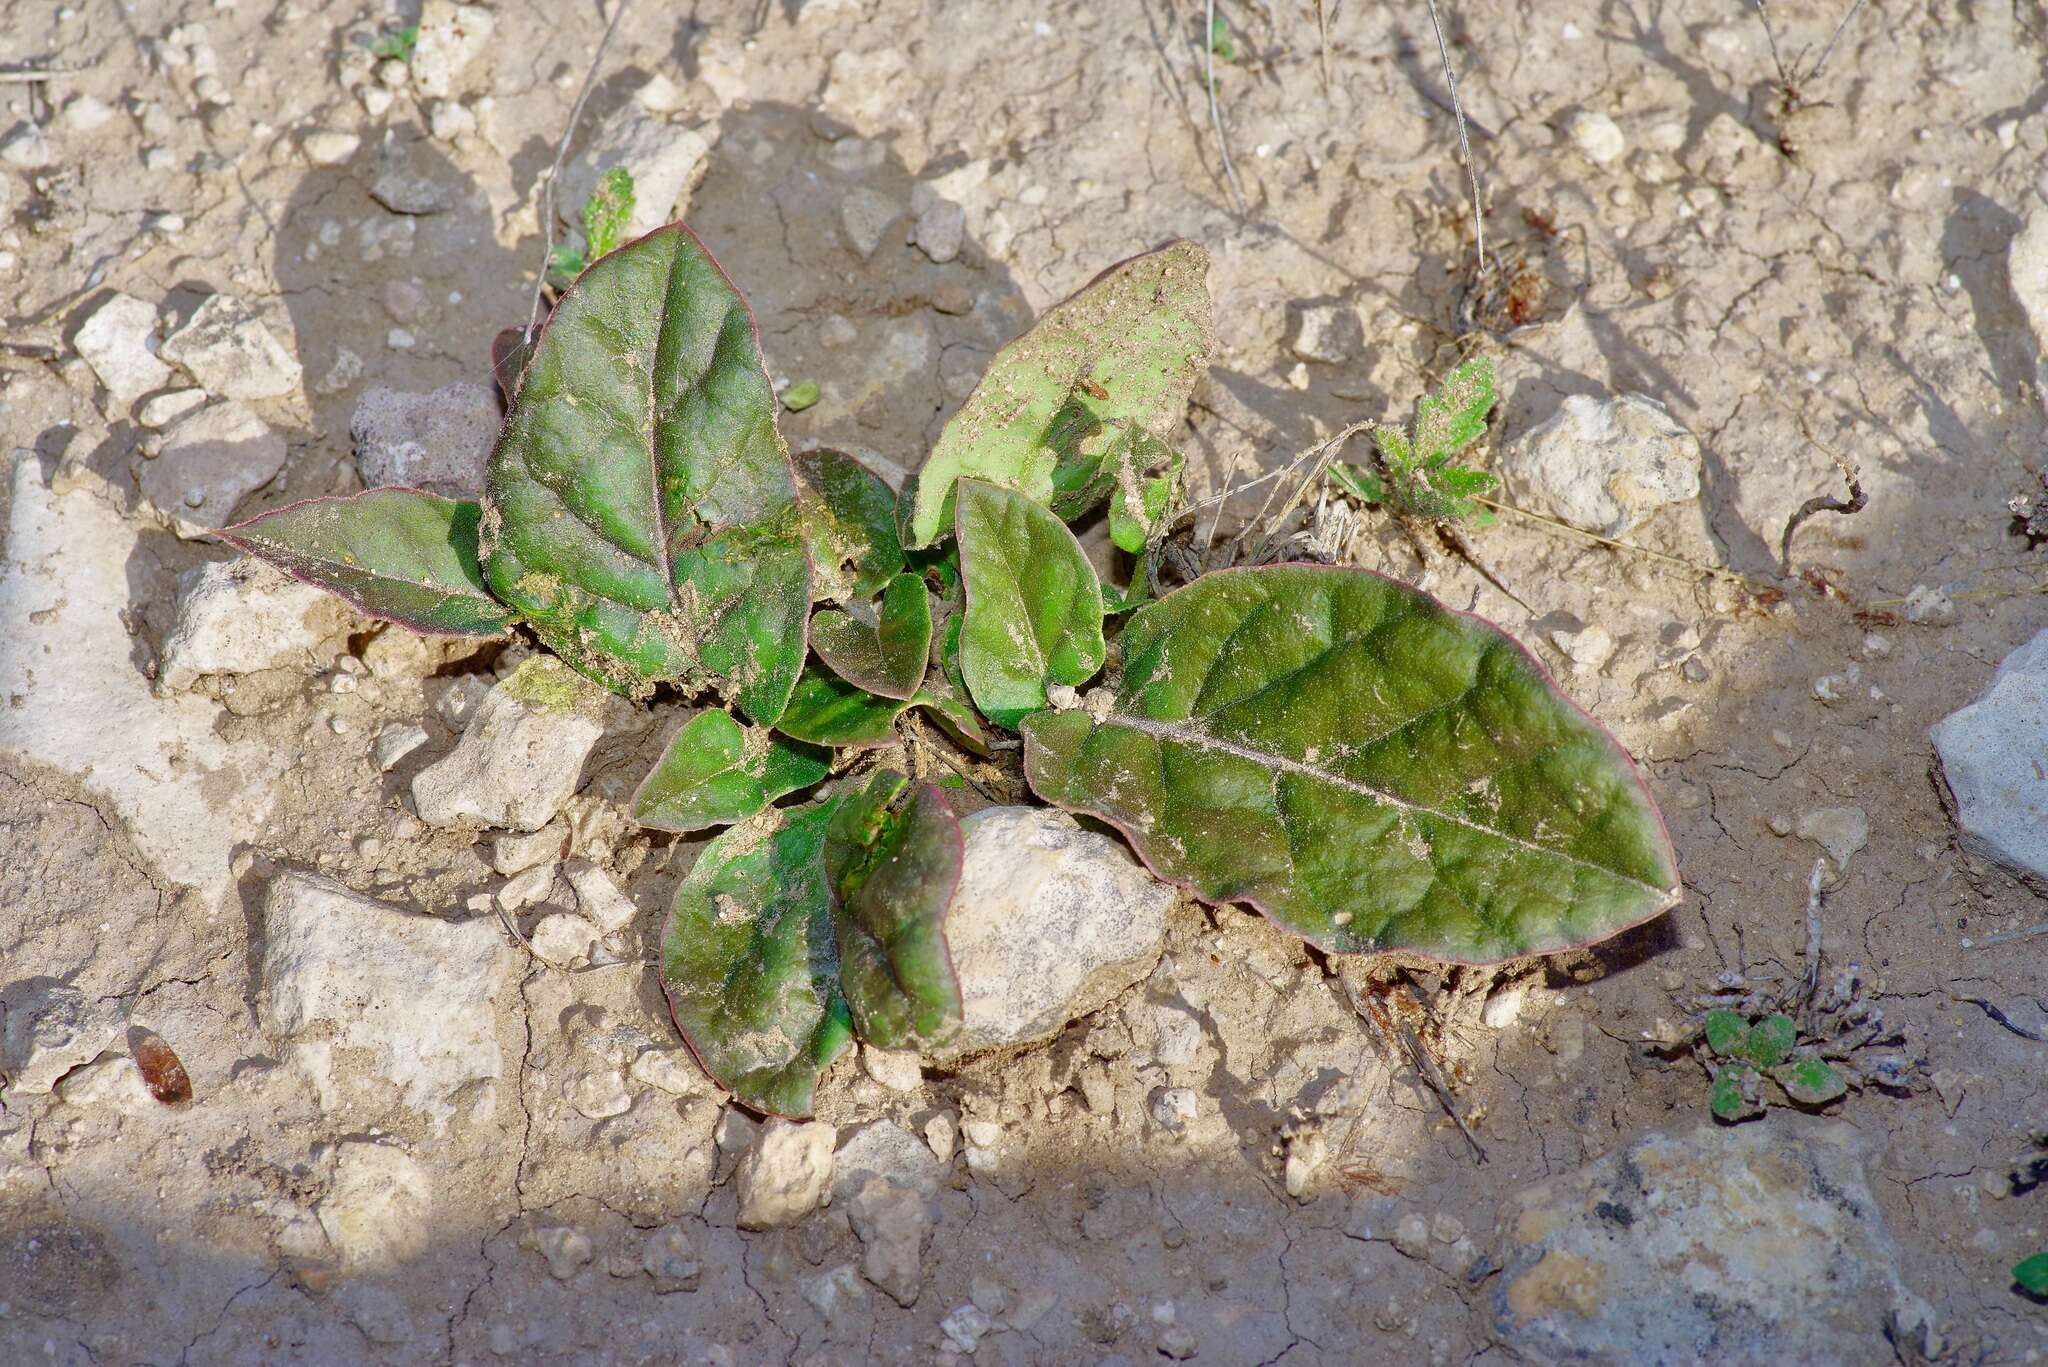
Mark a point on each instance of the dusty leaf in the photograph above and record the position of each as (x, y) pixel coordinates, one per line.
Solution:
(1733, 1095)
(749, 962)
(1121, 355)
(1034, 605)
(640, 509)
(895, 851)
(887, 657)
(1810, 1081)
(399, 554)
(850, 514)
(1369, 768)
(827, 710)
(715, 771)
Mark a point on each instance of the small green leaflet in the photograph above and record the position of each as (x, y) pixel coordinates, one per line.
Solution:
(399, 554)
(1034, 604)
(850, 521)
(886, 657)
(2032, 1274)
(827, 710)
(1418, 477)
(715, 771)
(1809, 1081)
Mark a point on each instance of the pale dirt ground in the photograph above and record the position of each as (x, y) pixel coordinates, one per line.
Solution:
(1859, 284)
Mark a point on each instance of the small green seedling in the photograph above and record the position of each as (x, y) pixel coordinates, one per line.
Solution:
(397, 45)
(605, 216)
(1754, 1056)
(1220, 41)
(2032, 1274)
(1372, 770)
(1418, 477)
(801, 395)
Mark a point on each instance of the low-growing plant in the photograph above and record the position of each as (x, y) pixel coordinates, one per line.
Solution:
(2032, 1274)
(605, 216)
(1372, 770)
(1417, 476)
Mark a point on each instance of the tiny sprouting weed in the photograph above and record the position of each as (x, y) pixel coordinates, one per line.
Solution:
(397, 45)
(1417, 477)
(606, 215)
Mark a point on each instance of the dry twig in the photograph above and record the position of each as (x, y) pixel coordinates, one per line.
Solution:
(547, 212)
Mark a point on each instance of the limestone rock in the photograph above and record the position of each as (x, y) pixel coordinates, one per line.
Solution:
(1050, 922)
(2027, 267)
(1605, 464)
(226, 347)
(451, 37)
(211, 460)
(893, 1223)
(378, 1205)
(882, 1148)
(240, 616)
(118, 340)
(47, 1028)
(417, 992)
(786, 1173)
(439, 441)
(1993, 754)
(521, 755)
(1759, 1243)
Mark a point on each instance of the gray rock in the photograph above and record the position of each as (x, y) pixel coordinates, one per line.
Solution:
(666, 161)
(893, 1223)
(1605, 464)
(940, 230)
(27, 146)
(670, 1258)
(439, 441)
(598, 897)
(786, 1173)
(167, 408)
(409, 180)
(419, 994)
(210, 461)
(866, 214)
(521, 755)
(882, 1148)
(1330, 333)
(517, 852)
(395, 742)
(1841, 831)
(47, 1028)
(378, 1210)
(451, 37)
(240, 616)
(1597, 136)
(118, 340)
(1755, 1244)
(1993, 755)
(226, 347)
(1050, 922)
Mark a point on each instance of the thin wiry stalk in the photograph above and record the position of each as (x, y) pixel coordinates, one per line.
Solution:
(1216, 110)
(547, 211)
(1443, 51)
(1829, 50)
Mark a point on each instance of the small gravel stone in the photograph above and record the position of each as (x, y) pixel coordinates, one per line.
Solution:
(562, 938)
(1841, 831)
(521, 755)
(395, 742)
(1596, 136)
(599, 897)
(451, 36)
(26, 146)
(517, 851)
(118, 340)
(940, 231)
(892, 1223)
(1605, 464)
(227, 348)
(599, 1094)
(164, 409)
(329, 147)
(670, 1258)
(239, 617)
(87, 113)
(440, 441)
(566, 1250)
(965, 1327)
(1993, 754)
(47, 1028)
(1326, 332)
(900, 1070)
(526, 887)
(866, 214)
(1175, 1108)
(668, 1070)
(1589, 649)
(941, 1134)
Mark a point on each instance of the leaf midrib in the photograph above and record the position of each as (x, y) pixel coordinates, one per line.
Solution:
(1203, 740)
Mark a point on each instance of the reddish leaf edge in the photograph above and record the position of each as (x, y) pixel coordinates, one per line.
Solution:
(230, 535)
(1635, 772)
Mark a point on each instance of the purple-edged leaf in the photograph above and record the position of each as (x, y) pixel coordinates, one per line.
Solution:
(887, 657)
(1121, 355)
(640, 509)
(399, 554)
(716, 771)
(1034, 605)
(1370, 769)
(895, 853)
(827, 710)
(851, 516)
(749, 963)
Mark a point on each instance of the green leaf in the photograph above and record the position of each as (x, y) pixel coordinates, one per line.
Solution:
(1369, 768)
(641, 508)
(1367, 488)
(715, 772)
(1123, 354)
(1220, 41)
(400, 554)
(749, 961)
(1146, 472)
(800, 396)
(1725, 1030)
(1733, 1096)
(895, 854)
(567, 261)
(1034, 605)
(1809, 1081)
(888, 658)
(2032, 1273)
(1455, 415)
(607, 212)
(827, 710)
(1770, 1041)
(397, 44)
(850, 516)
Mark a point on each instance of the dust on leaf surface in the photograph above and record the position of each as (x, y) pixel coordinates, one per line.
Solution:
(1034, 604)
(1369, 768)
(849, 513)
(641, 509)
(715, 771)
(749, 963)
(888, 656)
(1123, 354)
(400, 554)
